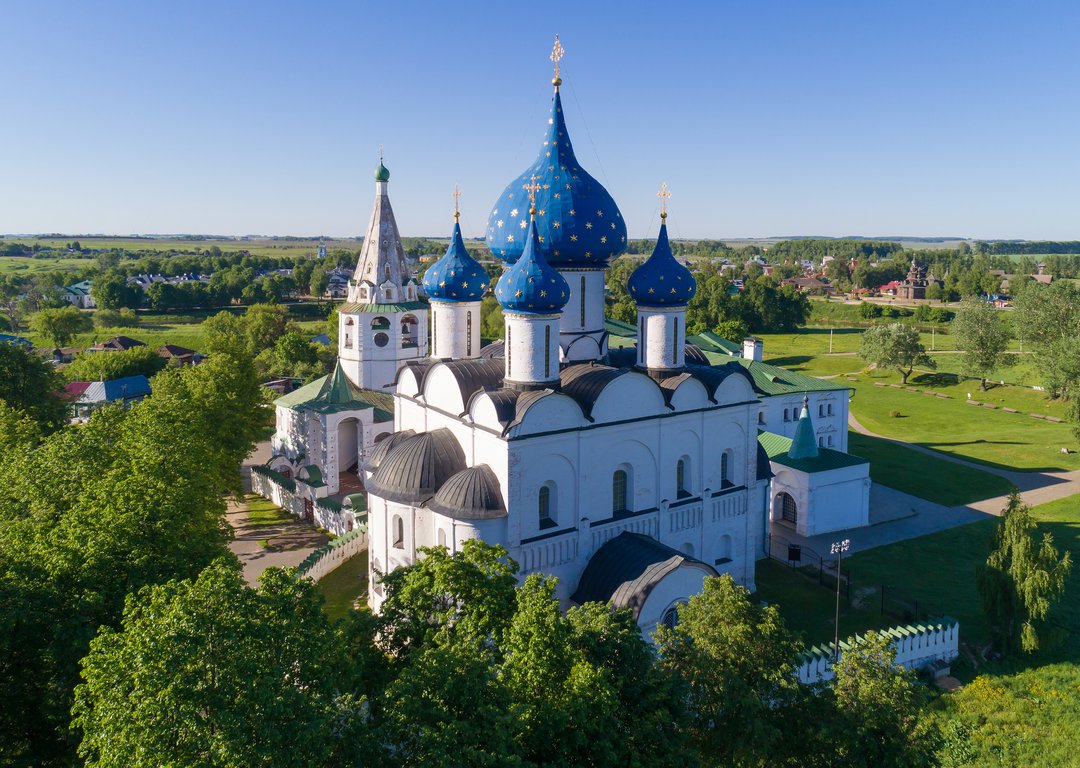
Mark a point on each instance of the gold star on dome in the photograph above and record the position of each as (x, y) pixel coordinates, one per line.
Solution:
(540, 212)
(568, 186)
(524, 223)
(573, 212)
(543, 294)
(600, 214)
(673, 290)
(465, 284)
(514, 213)
(509, 238)
(442, 284)
(652, 291)
(603, 238)
(499, 223)
(613, 225)
(588, 225)
(540, 238)
(517, 294)
(573, 238)
(558, 195)
(556, 224)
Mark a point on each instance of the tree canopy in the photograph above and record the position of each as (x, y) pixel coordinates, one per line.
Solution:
(895, 346)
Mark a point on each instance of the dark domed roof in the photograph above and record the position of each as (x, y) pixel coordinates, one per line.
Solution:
(532, 286)
(577, 220)
(661, 281)
(472, 494)
(414, 470)
(457, 276)
(383, 447)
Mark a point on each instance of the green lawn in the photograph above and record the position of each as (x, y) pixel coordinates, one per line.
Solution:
(343, 585)
(264, 512)
(938, 570)
(1006, 440)
(17, 265)
(925, 476)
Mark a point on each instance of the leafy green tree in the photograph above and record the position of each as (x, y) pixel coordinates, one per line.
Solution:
(880, 723)
(105, 366)
(469, 594)
(31, 385)
(894, 346)
(1047, 318)
(91, 514)
(1021, 580)
(111, 291)
(60, 325)
(981, 337)
(225, 675)
(737, 659)
(492, 325)
(112, 318)
(318, 282)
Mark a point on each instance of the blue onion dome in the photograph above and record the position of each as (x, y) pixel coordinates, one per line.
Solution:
(662, 281)
(532, 286)
(457, 276)
(577, 221)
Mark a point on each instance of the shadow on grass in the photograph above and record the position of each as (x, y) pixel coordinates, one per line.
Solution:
(936, 379)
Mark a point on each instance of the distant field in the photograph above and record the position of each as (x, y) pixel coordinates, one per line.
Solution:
(14, 265)
(255, 247)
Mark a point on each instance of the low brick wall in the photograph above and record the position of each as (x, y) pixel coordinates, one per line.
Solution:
(916, 646)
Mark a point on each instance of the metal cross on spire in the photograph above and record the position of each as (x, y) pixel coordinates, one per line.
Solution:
(663, 194)
(380, 153)
(557, 53)
(532, 188)
(456, 194)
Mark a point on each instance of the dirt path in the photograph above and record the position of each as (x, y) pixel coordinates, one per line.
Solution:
(264, 546)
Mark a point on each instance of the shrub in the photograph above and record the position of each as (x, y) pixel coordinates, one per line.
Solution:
(894, 414)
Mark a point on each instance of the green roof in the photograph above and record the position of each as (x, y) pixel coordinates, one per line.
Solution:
(358, 501)
(382, 173)
(352, 308)
(619, 328)
(314, 476)
(334, 393)
(804, 444)
(777, 447)
(710, 342)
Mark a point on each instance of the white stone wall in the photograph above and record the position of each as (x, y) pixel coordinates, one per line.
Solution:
(455, 329)
(825, 501)
(661, 337)
(916, 646)
(581, 325)
(372, 347)
(532, 348)
(828, 410)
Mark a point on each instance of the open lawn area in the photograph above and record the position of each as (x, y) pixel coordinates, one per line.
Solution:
(925, 476)
(343, 585)
(938, 570)
(990, 436)
(262, 512)
(17, 265)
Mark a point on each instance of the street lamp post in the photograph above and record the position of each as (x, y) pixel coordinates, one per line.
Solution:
(838, 548)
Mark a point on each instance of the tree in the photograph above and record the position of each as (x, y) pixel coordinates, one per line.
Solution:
(60, 325)
(878, 706)
(981, 337)
(112, 291)
(318, 283)
(1021, 579)
(492, 325)
(105, 366)
(895, 346)
(737, 659)
(31, 385)
(1047, 317)
(226, 676)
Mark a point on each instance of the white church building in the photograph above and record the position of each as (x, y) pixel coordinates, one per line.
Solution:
(628, 461)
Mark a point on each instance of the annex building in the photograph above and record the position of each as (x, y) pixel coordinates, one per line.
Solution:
(629, 461)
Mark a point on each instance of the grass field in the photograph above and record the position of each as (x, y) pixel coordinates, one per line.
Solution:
(256, 247)
(343, 585)
(938, 570)
(994, 437)
(261, 512)
(14, 265)
(925, 476)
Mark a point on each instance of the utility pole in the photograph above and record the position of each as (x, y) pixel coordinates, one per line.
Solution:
(838, 548)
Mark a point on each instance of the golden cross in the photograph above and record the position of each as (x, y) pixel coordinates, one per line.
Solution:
(663, 194)
(556, 56)
(380, 153)
(532, 187)
(456, 194)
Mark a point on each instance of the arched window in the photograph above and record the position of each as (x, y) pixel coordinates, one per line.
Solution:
(619, 482)
(725, 468)
(682, 487)
(380, 324)
(725, 550)
(671, 617)
(761, 418)
(545, 510)
(788, 512)
(398, 530)
(441, 538)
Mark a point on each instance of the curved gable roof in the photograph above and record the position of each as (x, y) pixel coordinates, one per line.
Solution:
(472, 494)
(626, 569)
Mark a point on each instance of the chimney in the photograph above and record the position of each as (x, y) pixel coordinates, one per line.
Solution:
(751, 348)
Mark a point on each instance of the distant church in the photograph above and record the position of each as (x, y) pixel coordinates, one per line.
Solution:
(629, 461)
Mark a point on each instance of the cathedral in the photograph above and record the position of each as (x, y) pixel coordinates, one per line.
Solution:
(629, 462)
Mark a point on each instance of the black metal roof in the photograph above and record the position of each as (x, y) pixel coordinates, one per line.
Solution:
(472, 494)
(496, 350)
(414, 470)
(383, 447)
(584, 382)
(626, 569)
(694, 354)
(472, 375)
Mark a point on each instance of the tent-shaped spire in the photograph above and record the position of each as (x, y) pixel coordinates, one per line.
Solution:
(804, 444)
(382, 258)
(336, 389)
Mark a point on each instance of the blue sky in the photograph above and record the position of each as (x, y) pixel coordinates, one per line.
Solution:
(765, 118)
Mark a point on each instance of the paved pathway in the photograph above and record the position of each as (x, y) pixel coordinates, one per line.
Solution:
(897, 516)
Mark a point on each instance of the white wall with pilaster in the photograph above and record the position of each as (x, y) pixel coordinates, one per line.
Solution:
(532, 348)
(455, 329)
(581, 326)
